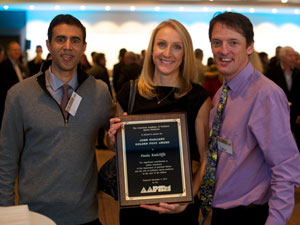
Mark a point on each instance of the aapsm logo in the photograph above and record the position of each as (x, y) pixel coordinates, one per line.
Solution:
(160, 188)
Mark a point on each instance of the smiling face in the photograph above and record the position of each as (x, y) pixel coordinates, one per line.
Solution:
(66, 48)
(167, 53)
(230, 50)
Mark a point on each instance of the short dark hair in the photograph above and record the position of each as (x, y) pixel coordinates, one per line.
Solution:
(122, 52)
(65, 19)
(262, 54)
(237, 21)
(198, 52)
(99, 56)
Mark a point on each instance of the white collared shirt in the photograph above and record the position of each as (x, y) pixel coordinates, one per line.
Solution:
(17, 69)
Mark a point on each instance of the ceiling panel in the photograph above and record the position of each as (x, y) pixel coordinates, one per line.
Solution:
(292, 6)
(159, 2)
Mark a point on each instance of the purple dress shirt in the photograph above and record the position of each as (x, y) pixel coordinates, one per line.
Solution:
(265, 163)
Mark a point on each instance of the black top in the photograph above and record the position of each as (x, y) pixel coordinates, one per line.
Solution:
(127, 73)
(8, 78)
(34, 68)
(190, 104)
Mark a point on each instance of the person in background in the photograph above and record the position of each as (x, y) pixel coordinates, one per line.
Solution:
(117, 69)
(165, 85)
(296, 107)
(2, 53)
(93, 55)
(2, 89)
(212, 80)
(11, 72)
(36, 64)
(275, 60)
(138, 59)
(48, 147)
(265, 61)
(84, 63)
(286, 76)
(256, 62)
(143, 55)
(297, 60)
(98, 70)
(210, 61)
(130, 71)
(200, 67)
(49, 57)
(257, 157)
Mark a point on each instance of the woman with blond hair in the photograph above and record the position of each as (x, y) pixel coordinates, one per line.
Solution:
(165, 85)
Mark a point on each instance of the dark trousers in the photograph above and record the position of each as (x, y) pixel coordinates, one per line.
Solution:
(101, 133)
(246, 215)
(140, 216)
(94, 222)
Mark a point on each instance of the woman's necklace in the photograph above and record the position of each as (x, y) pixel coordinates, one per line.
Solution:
(164, 98)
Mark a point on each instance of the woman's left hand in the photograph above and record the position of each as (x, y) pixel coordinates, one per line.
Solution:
(166, 208)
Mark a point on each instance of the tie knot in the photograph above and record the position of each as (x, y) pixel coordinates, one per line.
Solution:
(65, 88)
(225, 90)
(226, 86)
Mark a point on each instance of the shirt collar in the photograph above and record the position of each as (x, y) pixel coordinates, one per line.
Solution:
(13, 61)
(241, 78)
(56, 83)
(282, 67)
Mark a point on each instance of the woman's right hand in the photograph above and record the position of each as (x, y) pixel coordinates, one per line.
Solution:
(115, 124)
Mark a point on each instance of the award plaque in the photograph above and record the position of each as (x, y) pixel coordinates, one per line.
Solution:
(153, 160)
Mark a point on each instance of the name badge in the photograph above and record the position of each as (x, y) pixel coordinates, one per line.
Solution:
(224, 145)
(73, 103)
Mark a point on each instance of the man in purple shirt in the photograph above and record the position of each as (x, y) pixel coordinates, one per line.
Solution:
(258, 160)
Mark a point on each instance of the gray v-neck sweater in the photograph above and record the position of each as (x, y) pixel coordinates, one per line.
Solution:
(56, 160)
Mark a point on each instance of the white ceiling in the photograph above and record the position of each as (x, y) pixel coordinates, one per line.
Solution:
(276, 3)
(149, 5)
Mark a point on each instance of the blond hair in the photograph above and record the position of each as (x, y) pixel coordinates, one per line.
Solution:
(188, 69)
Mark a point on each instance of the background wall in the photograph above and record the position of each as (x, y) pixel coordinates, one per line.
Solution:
(13, 27)
(107, 32)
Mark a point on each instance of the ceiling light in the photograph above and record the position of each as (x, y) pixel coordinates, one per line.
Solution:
(31, 7)
(284, 1)
(132, 8)
(296, 11)
(211, 0)
(157, 8)
(57, 7)
(5, 7)
(82, 7)
(274, 11)
(181, 8)
(252, 10)
(107, 8)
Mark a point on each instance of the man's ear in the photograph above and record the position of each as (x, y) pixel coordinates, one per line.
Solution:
(84, 47)
(48, 45)
(250, 48)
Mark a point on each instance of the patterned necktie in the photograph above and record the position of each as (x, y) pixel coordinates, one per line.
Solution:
(208, 182)
(64, 100)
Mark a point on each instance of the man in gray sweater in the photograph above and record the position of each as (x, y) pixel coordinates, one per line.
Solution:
(52, 151)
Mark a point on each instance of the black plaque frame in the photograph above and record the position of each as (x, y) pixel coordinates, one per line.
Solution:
(163, 126)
